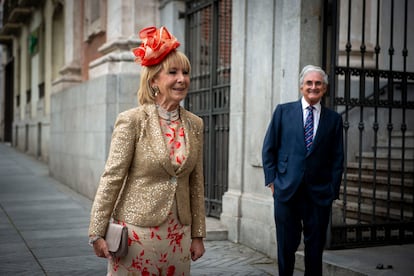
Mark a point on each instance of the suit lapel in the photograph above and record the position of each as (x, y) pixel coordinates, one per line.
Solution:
(189, 140)
(320, 130)
(297, 119)
(157, 139)
(158, 142)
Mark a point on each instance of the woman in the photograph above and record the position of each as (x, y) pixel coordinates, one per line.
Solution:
(153, 179)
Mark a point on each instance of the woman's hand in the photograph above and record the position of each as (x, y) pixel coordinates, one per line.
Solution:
(197, 248)
(101, 249)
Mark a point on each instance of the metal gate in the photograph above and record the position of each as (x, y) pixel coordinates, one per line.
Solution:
(369, 57)
(208, 46)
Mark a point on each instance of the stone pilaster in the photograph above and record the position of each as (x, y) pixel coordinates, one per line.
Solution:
(70, 73)
(261, 79)
(170, 15)
(121, 37)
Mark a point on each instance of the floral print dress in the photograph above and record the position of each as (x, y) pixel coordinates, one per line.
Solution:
(165, 249)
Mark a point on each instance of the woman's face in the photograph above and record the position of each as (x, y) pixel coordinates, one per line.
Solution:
(173, 84)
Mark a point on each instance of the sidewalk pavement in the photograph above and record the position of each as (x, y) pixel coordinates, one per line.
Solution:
(44, 228)
(44, 224)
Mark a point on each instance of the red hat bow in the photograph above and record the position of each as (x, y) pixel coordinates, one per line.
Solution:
(156, 45)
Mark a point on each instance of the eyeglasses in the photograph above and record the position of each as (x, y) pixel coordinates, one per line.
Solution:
(312, 83)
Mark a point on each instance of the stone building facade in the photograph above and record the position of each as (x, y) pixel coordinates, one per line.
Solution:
(78, 74)
(70, 71)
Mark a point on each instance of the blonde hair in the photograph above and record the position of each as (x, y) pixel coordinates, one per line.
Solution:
(148, 73)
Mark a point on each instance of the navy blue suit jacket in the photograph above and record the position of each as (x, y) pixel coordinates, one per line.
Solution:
(287, 163)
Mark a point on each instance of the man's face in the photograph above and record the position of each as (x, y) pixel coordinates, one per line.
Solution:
(313, 87)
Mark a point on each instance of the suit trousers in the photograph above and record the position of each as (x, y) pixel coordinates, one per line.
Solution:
(299, 214)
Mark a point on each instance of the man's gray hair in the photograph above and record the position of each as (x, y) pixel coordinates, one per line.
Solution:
(312, 68)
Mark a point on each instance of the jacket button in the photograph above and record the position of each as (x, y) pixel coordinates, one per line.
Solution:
(173, 180)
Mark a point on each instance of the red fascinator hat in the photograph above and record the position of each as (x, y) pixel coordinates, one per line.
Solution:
(156, 45)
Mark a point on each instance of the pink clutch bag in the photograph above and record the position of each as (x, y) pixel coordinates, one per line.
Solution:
(117, 239)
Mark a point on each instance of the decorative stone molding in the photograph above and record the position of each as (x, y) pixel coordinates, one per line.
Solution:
(71, 71)
(117, 58)
(70, 75)
(121, 44)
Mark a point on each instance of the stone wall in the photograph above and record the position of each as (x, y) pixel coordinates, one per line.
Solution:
(82, 119)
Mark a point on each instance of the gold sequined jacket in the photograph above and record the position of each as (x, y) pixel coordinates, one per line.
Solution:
(139, 158)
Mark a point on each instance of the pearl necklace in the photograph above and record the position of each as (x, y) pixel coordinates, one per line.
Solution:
(169, 116)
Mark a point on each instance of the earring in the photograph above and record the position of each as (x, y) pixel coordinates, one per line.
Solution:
(155, 91)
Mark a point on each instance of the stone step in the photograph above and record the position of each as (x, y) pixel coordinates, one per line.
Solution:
(365, 212)
(396, 151)
(395, 170)
(330, 265)
(394, 148)
(352, 180)
(215, 230)
(364, 195)
(382, 158)
(396, 139)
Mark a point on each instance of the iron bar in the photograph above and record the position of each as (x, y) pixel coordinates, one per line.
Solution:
(390, 124)
(376, 124)
(361, 110)
(403, 124)
(388, 181)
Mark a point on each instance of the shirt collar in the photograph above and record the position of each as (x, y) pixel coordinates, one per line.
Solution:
(305, 104)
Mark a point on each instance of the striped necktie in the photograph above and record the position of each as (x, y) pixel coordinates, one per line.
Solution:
(309, 127)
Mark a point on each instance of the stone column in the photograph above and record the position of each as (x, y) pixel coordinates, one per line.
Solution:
(231, 215)
(71, 71)
(122, 36)
(170, 15)
(271, 41)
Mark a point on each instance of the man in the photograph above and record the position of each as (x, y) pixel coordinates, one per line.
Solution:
(303, 164)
